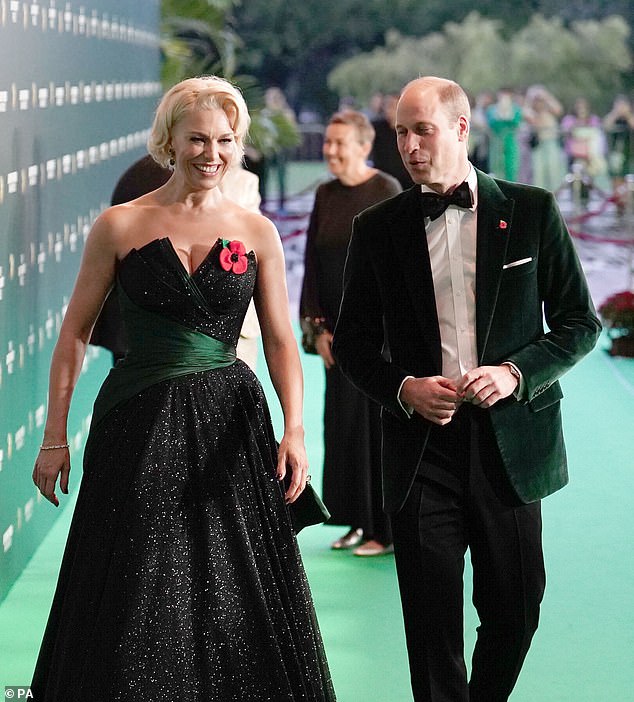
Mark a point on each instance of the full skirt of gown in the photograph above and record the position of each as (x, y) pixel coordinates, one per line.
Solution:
(181, 578)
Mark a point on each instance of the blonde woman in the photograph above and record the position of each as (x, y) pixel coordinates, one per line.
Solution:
(181, 577)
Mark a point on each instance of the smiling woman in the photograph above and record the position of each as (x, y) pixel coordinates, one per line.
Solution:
(352, 485)
(202, 148)
(189, 97)
(182, 579)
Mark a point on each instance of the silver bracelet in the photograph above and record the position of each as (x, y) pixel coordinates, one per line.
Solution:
(53, 446)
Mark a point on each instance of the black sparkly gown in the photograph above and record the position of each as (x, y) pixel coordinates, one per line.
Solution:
(181, 578)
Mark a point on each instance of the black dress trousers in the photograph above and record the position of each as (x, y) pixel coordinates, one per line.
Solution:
(461, 499)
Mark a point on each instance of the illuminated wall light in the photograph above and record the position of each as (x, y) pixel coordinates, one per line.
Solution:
(24, 98)
(49, 325)
(12, 182)
(14, 10)
(30, 344)
(28, 510)
(7, 538)
(20, 436)
(77, 441)
(41, 259)
(72, 240)
(4, 100)
(33, 175)
(35, 14)
(81, 21)
(52, 15)
(22, 269)
(9, 358)
(94, 24)
(68, 18)
(60, 95)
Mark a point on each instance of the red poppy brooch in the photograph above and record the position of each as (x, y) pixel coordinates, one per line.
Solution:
(233, 256)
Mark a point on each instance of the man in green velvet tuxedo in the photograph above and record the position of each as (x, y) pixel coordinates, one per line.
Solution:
(446, 291)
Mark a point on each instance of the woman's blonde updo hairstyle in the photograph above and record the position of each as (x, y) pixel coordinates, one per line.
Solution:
(202, 93)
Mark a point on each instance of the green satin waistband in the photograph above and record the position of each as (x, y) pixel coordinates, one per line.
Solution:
(158, 349)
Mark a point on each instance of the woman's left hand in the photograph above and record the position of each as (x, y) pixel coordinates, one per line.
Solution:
(292, 456)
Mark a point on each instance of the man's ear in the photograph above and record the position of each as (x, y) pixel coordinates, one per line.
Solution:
(463, 128)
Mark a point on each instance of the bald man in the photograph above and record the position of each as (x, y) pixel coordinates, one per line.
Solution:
(446, 291)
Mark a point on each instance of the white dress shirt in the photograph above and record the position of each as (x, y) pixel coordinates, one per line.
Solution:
(451, 240)
(452, 243)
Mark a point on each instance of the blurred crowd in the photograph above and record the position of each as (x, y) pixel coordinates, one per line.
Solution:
(529, 136)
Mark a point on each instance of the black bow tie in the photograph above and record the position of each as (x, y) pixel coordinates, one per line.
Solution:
(434, 205)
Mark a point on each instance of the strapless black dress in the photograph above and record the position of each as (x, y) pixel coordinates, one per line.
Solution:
(181, 578)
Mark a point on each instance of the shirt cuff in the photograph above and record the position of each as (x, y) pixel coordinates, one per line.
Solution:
(408, 409)
(519, 391)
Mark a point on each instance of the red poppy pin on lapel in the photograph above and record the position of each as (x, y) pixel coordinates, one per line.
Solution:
(502, 224)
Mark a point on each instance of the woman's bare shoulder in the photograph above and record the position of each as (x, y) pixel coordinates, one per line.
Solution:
(254, 229)
(119, 226)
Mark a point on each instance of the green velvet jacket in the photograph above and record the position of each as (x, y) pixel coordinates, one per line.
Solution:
(388, 327)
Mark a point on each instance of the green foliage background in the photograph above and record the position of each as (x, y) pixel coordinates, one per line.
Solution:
(319, 50)
(588, 58)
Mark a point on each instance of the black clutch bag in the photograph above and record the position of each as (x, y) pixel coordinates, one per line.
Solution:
(308, 509)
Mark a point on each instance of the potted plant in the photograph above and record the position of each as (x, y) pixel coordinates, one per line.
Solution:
(617, 313)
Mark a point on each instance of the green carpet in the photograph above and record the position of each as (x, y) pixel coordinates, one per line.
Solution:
(584, 648)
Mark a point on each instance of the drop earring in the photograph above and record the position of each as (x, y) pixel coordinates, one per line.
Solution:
(172, 160)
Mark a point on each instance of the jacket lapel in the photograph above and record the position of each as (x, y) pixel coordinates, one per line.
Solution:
(495, 221)
(408, 233)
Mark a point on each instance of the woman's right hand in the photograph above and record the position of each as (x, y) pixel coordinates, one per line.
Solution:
(323, 344)
(48, 466)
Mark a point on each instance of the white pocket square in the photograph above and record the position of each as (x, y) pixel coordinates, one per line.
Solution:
(519, 262)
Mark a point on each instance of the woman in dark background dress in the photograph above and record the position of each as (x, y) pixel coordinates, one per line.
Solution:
(352, 434)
